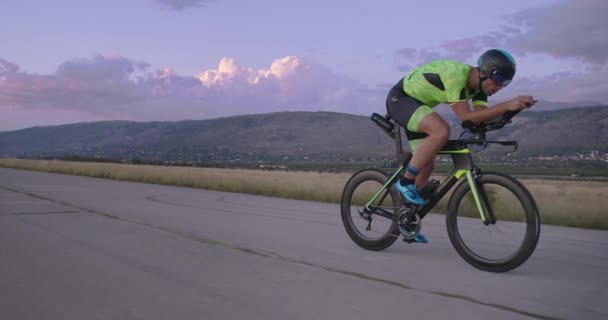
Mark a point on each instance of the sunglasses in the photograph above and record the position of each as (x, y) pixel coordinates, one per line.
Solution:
(499, 79)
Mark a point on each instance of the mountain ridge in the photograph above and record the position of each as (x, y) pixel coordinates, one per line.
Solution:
(321, 135)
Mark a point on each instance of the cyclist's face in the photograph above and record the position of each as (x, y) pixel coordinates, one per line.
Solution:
(490, 87)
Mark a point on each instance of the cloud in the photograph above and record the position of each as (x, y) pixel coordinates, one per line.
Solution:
(290, 82)
(102, 83)
(115, 87)
(567, 29)
(465, 49)
(588, 88)
(570, 29)
(7, 67)
(180, 5)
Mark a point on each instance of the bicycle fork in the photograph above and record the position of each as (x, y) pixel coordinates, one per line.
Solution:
(486, 212)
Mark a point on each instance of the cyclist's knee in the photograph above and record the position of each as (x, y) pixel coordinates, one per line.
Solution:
(435, 126)
(443, 133)
(440, 130)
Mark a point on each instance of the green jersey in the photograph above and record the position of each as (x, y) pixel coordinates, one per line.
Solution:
(441, 81)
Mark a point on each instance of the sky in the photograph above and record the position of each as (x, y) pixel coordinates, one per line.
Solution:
(67, 61)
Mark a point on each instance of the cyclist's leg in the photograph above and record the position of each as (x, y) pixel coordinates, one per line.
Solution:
(425, 174)
(403, 109)
(407, 111)
(438, 133)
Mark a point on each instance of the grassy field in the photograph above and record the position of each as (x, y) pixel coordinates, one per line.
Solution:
(582, 204)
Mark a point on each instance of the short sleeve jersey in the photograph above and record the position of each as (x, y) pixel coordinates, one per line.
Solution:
(441, 81)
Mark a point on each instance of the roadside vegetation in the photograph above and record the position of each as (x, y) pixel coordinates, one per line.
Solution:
(573, 203)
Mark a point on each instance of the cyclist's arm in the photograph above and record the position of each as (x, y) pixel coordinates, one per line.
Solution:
(481, 114)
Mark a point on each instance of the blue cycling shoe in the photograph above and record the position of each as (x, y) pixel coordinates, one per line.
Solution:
(410, 193)
(421, 239)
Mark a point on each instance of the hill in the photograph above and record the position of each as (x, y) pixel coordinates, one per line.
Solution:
(288, 136)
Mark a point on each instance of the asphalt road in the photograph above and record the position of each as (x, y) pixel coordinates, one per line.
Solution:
(84, 248)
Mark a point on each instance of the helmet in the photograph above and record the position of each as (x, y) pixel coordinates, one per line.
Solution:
(497, 65)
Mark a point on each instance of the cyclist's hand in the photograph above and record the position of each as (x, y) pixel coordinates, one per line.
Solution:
(520, 103)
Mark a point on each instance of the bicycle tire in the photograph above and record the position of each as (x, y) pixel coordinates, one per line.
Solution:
(532, 220)
(346, 204)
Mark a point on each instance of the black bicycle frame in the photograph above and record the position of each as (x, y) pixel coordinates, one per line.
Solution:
(463, 166)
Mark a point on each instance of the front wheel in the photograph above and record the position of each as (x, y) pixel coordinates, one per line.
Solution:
(500, 246)
(366, 229)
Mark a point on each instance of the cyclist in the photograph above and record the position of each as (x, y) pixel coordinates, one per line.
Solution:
(411, 100)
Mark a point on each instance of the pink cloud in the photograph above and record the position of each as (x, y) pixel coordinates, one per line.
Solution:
(115, 87)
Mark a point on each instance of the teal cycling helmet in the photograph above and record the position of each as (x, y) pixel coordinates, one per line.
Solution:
(497, 65)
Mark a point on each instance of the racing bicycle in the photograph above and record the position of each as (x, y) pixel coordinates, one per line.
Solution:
(492, 219)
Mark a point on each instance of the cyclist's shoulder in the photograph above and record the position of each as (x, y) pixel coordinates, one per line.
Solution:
(446, 69)
(445, 65)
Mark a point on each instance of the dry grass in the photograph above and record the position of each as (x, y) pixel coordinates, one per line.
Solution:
(569, 203)
(295, 185)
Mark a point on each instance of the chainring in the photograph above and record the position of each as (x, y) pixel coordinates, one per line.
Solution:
(409, 229)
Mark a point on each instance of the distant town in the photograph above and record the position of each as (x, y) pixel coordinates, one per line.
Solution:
(594, 155)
